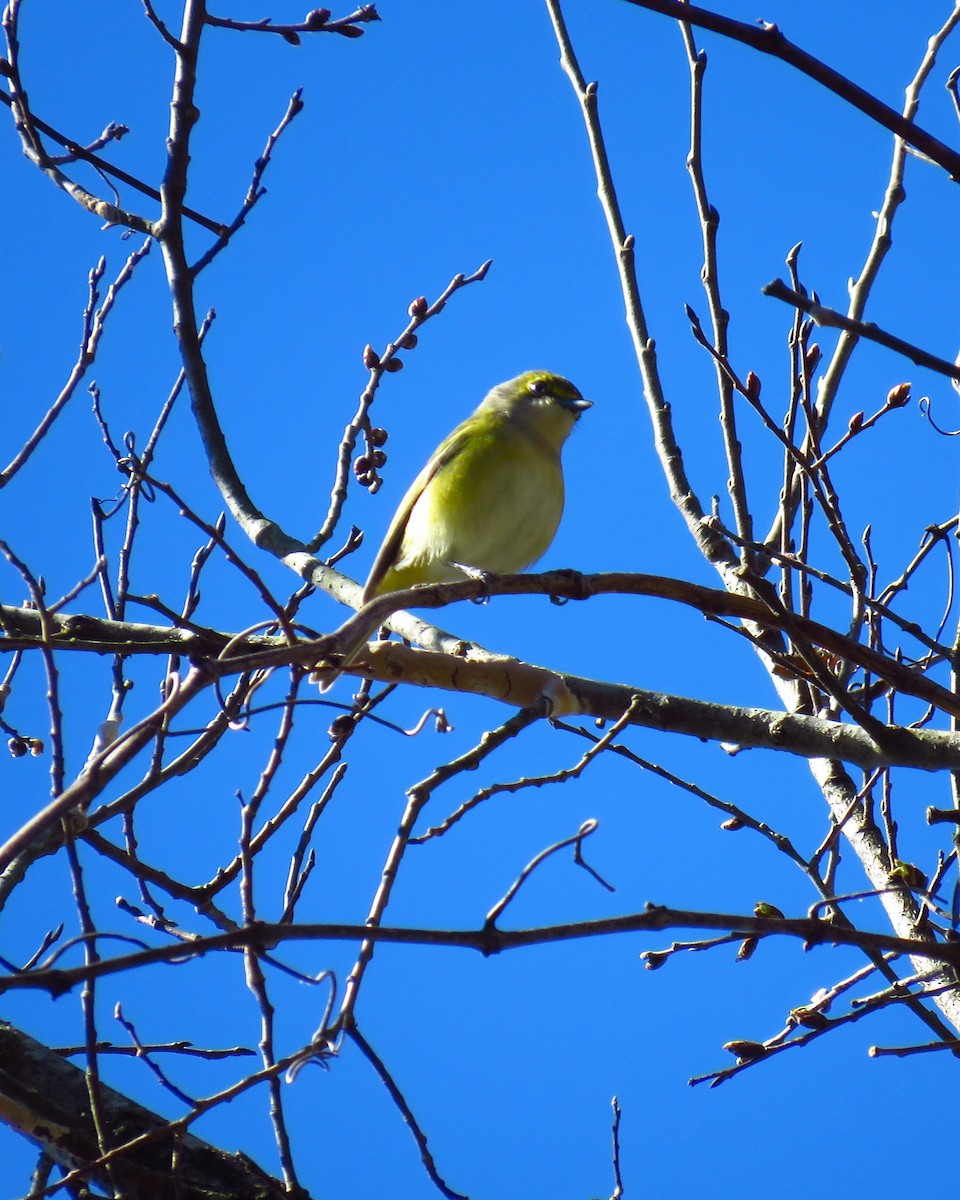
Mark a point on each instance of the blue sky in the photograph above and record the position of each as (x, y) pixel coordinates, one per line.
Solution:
(440, 139)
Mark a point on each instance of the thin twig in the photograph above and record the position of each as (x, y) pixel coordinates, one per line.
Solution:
(406, 1112)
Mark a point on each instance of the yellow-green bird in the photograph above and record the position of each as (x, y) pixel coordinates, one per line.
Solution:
(491, 496)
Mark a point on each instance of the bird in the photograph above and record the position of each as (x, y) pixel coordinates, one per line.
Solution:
(490, 497)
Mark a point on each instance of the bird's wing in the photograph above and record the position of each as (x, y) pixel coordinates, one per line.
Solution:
(387, 555)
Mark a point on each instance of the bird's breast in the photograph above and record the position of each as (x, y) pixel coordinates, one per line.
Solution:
(496, 508)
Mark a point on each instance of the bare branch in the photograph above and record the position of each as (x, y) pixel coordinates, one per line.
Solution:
(491, 939)
(768, 39)
(830, 318)
(94, 320)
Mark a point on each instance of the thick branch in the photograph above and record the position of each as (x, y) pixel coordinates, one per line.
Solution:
(709, 601)
(45, 1098)
(478, 672)
(521, 685)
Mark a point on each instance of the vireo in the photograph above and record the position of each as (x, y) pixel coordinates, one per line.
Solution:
(489, 499)
(491, 496)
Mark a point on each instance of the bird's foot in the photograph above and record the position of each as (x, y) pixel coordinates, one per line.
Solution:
(481, 576)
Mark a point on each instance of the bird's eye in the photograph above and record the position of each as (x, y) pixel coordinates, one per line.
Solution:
(537, 387)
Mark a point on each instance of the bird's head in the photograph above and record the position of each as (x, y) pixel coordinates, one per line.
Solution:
(546, 404)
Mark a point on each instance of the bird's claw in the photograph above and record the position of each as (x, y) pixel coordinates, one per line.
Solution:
(481, 576)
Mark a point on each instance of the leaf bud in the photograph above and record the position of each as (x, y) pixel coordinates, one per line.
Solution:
(898, 396)
(811, 1018)
(745, 1051)
(746, 948)
(340, 727)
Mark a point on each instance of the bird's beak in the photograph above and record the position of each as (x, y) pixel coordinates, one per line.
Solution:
(577, 406)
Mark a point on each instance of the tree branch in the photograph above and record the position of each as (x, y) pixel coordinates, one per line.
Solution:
(836, 320)
(487, 940)
(44, 1097)
(768, 39)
